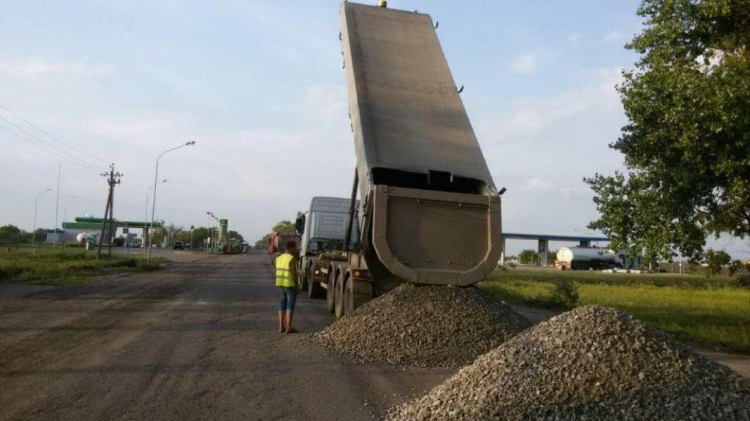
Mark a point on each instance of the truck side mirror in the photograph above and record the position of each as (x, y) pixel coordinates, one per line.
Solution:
(299, 225)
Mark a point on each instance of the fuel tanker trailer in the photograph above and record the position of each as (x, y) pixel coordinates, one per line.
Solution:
(429, 212)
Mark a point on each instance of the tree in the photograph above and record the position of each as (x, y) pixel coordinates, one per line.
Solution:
(263, 242)
(283, 226)
(236, 235)
(199, 235)
(528, 257)
(715, 260)
(40, 235)
(687, 142)
(11, 234)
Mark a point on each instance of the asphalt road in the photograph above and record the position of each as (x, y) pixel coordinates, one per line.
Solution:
(195, 341)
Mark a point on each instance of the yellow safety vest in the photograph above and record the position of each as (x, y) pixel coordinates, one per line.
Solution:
(283, 271)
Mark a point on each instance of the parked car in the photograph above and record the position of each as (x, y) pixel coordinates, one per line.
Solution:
(178, 246)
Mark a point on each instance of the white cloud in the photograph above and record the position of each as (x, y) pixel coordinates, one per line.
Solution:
(31, 67)
(525, 64)
(531, 117)
(538, 184)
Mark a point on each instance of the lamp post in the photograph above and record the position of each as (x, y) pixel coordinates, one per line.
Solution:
(33, 233)
(156, 178)
(145, 215)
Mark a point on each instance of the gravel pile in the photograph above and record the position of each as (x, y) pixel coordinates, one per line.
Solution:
(591, 363)
(424, 326)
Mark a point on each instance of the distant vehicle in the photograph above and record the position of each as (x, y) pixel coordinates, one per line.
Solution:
(587, 258)
(178, 246)
(278, 241)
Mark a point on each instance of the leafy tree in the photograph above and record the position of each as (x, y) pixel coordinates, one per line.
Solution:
(200, 234)
(687, 142)
(528, 257)
(716, 260)
(11, 234)
(263, 242)
(40, 234)
(236, 235)
(283, 226)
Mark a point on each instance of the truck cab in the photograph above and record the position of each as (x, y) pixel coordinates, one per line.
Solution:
(322, 229)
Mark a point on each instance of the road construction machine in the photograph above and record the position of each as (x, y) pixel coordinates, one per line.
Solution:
(428, 210)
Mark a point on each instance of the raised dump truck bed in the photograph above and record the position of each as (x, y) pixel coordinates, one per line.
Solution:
(429, 212)
(407, 116)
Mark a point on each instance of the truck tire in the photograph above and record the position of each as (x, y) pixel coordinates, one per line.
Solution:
(356, 293)
(339, 296)
(331, 292)
(314, 290)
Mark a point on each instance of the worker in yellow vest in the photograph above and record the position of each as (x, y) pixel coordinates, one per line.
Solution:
(286, 281)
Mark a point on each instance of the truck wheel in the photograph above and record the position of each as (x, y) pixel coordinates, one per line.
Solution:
(339, 295)
(331, 292)
(356, 293)
(314, 290)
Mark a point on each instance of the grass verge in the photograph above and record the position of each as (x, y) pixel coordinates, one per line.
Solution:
(68, 267)
(712, 312)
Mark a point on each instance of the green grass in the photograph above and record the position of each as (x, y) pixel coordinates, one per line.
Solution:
(69, 266)
(709, 311)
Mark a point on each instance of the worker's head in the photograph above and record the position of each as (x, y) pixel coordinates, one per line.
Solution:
(290, 247)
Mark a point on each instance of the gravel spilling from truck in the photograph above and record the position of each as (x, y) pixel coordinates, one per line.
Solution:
(591, 363)
(424, 326)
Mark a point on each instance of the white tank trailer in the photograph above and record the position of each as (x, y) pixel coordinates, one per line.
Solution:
(86, 237)
(586, 258)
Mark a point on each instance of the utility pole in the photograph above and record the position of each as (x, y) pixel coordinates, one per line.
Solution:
(113, 179)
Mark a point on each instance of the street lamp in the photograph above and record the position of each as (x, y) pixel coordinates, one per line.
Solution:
(156, 178)
(145, 213)
(33, 233)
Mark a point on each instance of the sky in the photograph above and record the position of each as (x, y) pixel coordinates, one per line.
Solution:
(258, 85)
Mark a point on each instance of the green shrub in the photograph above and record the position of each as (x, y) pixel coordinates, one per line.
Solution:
(565, 294)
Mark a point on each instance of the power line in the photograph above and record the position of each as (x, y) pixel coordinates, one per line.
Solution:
(49, 148)
(62, 151)
(41, 148)
(50, 136)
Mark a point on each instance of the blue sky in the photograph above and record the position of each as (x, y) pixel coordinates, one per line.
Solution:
(259, 87)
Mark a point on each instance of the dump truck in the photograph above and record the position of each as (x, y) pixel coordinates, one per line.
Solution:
(322, 228)
(428, 210)
(277, 243)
